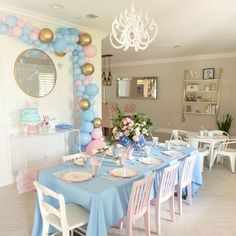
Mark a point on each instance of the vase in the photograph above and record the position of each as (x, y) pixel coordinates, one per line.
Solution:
(130, 153)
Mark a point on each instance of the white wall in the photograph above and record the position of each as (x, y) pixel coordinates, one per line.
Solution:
(166, 110)
(59, 103)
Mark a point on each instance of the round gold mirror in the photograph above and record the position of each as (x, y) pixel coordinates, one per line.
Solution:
(35, 73)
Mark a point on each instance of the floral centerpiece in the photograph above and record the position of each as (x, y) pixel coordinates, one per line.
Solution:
(131, 130)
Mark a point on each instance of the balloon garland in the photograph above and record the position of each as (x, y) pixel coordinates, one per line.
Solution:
(63, 41)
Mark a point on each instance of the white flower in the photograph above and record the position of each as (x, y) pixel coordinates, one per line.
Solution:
(144, 131)
(135, 138)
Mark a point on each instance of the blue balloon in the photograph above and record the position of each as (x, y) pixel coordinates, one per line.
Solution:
(86, 127)
(24, 38)
(11, 21)
(26, 31)
(81, 77)
(86, 96)
(60, 45)
(3, 28)
(75, 59)
(51, 48)
(88, 115)
(74, 31)
(81, 54)
(79, 47)
(80, 88)
(85, 138)
(73, 39)
(79, 94)
(63, 31)
(58, 35)
(37, 43)
(92, 89)
(77, 71)
(81, 61)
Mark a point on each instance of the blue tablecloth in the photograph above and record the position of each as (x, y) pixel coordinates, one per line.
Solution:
(105, 198)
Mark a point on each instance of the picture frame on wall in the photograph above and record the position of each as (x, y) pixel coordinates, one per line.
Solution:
(208, 73)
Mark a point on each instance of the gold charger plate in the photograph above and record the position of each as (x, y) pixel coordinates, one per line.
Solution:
(75, 176)
(123, 172)
(151, 161)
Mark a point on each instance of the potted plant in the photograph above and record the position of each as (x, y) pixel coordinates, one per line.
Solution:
(225, 123)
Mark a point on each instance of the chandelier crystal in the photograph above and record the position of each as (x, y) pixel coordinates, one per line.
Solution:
(132, 29)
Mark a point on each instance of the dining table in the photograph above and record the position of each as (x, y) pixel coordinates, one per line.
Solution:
(105, 196)
(212, 140)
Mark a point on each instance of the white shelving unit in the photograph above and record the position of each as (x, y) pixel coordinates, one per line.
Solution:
(200, 96)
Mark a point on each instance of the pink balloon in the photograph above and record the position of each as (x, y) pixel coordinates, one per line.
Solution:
(33, 36)
(78, 82)
(17, 32)
(86, 59)
(93, 145)
(20, 23)
(90, 50)
(36, 30)
(29, 25)
(10, 32)
(3, 18)
(96, 133)
(89, 78)
(86, 82)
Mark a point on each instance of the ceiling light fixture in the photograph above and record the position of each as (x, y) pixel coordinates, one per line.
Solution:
(131, 29)
(56, 6)
(107, 78)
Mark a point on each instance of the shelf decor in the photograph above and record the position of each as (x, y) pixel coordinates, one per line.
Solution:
(208, 73)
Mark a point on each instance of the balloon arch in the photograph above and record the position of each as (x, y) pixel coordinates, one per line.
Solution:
(80, 45)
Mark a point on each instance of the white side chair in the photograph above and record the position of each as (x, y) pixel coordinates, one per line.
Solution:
(166, 191)
(179, 134)
(177, 142)
(139, 204)
(186, 180)
(65, 218)
(203, 151)
(226, 151)
(217, 133)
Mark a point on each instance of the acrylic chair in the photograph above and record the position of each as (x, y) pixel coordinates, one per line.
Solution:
(186, 180)
(65, 218)
(166, 191)
(139, 204)
(179, 134)
(226, 151)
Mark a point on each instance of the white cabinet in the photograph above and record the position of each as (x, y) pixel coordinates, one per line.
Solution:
(200, 96)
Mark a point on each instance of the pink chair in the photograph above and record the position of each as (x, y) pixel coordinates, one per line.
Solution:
(139, 204)
(186, 180)
(166, 192)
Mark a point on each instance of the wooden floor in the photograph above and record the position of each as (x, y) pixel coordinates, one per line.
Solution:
(213, 212)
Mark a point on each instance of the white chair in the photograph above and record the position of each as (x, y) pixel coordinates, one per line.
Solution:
(177, 142)
(225, 151)
(203, 151)
(139, 204)
(186, 180)
(179, 135)
(217, 133)
(166, 191)
(65, 218)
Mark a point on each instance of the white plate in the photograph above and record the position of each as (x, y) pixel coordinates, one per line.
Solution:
(151, 161)
(161, 145)
(123, 172)
(75, 176)
(173, 153)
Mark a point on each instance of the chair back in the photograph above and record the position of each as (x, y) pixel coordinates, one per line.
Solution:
(227, 143)
(217, 133)
(48, 212)
(178, 134)
(176, 142)
(187, 170)
(167, 183)
(140, 197)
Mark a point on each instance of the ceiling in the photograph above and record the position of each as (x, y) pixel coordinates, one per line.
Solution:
(199, 26)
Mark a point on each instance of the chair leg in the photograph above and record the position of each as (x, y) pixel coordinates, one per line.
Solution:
(147, 222)
(172, 208)
(129, 228)
(190, 198)
(158, 217)
(45, 229)
(65, 233)
(179, 200)
(232, 162)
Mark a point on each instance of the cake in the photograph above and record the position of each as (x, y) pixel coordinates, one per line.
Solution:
(29, 116)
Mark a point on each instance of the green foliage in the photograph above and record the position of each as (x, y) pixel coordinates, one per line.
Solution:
(225, 123)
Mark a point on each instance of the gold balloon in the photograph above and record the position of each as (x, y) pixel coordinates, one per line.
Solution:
(46, 35)
(60, 54)
(84, 104)
(97, 122)
(87, 69)
(85, 39)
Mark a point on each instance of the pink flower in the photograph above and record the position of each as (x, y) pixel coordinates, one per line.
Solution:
(126, 133)
(117, 136)
(124, 128)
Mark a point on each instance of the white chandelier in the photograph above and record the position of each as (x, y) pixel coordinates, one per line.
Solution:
(133, 30)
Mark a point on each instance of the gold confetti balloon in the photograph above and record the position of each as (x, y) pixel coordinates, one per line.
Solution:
(97, 122)
(84, 104)
(85, 39)
(87, 69)
(60, 54)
